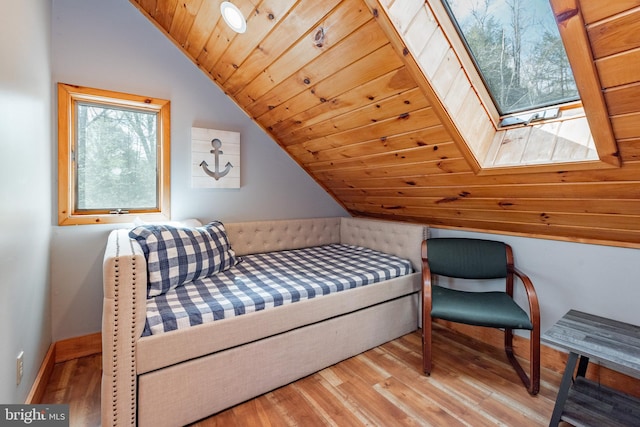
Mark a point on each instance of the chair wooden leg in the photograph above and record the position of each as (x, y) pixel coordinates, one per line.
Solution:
(534, 359)
(531, 382)
(508, 347)
(426, 344)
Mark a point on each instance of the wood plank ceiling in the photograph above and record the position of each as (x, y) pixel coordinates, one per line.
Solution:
(323, 79)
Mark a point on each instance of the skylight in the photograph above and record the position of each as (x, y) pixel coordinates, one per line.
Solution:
(518, 52)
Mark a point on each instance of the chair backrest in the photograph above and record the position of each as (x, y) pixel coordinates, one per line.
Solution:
(467, 258)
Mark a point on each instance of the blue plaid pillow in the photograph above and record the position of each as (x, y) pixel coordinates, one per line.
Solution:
(177, 255)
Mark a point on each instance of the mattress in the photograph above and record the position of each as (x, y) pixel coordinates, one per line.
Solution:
(262, 281)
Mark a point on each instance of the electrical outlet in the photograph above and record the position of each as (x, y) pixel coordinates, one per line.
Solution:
(19, 367)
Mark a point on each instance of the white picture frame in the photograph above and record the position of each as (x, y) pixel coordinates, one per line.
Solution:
(215, 158)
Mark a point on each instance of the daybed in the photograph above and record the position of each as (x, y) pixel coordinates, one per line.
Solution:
(180, 376)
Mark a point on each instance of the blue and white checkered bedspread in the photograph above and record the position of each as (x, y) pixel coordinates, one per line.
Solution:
(268, 280)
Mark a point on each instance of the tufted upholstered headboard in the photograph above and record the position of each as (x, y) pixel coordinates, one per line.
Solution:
(397, 238)
(278, 235)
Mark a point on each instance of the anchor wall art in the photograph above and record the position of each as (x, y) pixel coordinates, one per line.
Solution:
(215, 158)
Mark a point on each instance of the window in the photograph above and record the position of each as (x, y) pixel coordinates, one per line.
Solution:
(549, 133)
(113, 156)
(517, 49)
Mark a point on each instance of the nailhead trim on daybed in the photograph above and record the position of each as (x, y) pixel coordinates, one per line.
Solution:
(132, 338)
(133, 384)
(116, 314)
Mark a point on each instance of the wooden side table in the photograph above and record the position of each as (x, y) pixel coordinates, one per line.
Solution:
(616, 345)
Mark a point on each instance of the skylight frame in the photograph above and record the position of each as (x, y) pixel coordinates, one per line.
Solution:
(470, 116)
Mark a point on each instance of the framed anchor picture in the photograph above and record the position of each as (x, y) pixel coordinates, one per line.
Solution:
(215, 158)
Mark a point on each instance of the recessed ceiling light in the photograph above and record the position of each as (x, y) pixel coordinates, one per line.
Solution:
(233, 17)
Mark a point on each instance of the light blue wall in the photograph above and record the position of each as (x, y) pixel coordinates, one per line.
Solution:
(111, 45)
(602, 280)
(25, 192)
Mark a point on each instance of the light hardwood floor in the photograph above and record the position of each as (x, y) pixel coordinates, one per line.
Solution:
(472, 384)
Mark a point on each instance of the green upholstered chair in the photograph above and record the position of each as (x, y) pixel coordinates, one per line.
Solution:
(479, 259)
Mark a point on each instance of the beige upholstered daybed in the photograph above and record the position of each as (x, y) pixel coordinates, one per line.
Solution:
(178, 376)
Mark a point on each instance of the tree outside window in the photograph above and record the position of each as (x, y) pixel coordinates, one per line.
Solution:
(518, 51)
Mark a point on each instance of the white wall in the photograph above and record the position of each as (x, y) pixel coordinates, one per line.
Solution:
(25, 192)
(111, 45)
(601, 280)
